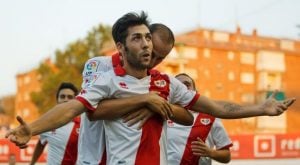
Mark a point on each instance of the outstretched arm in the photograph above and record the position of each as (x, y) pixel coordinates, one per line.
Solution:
(39, 148)
(199, 148)
(226, 110)
(56, 117)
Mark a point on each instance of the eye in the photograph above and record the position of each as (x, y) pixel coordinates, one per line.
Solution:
(148, 37)
(136, 38)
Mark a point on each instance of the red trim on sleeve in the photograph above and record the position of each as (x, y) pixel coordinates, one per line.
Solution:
(193, 101)
(226, 147)
(85, 103)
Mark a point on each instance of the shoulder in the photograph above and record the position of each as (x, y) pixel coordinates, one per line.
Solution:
(92, 62)
(101, 63)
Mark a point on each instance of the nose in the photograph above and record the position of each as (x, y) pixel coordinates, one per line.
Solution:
(146, 43)
(65, 99)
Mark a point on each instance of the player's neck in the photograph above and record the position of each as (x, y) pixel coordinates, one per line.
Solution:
(137, 73)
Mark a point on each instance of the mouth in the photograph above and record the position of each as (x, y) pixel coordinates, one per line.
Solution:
(146, 55)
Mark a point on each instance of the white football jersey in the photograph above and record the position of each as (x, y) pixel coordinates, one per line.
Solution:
(62, 143)
(91, 148)
(217, 138)
(127, 145)
(180, 138)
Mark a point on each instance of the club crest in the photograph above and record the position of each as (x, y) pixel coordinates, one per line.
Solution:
(160, 83)
(205, 121)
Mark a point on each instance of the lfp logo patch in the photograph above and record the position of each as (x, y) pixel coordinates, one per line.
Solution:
(91, 66)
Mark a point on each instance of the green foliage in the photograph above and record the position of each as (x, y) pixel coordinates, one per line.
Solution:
(69, 64)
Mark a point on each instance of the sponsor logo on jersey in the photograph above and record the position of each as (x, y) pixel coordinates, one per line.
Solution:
(205, 121)
(92, 66)
(160, 83)
(87, 73)
(90, 79)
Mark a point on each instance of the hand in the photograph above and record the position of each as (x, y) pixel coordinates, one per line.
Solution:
(159, 105)
(20, 135)
(273, 107)
(141, 116)
(199, 148)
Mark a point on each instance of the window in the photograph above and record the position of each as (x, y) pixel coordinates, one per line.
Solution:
(220, 36)
(247, 98)
(188, 52)
(231, 76)
(230, 55)
(247, 58)
(206, 53)
(26, 80)
(247, 78)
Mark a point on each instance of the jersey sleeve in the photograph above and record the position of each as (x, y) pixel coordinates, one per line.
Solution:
(93, 67)
(219, 135)
(97, 90)
(181, 95)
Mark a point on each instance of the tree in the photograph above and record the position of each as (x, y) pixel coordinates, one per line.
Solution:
(68, 65)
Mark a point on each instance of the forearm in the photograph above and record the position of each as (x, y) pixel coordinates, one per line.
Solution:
(226, 110)
(233, 110)
(56, 117)
(222, 156)
(181, 115)
(116, 108)
(39, 148)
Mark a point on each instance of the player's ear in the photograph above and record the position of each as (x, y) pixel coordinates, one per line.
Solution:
(120, 46)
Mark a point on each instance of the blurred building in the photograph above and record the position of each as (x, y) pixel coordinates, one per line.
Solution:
(27, 83)
(7, 108)
(240, 68)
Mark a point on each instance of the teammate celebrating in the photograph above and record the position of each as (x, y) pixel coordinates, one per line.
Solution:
(62, 142)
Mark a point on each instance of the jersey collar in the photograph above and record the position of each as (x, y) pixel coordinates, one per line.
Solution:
(120, 71)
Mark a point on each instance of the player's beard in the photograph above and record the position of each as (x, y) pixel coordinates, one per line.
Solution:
(134, 61)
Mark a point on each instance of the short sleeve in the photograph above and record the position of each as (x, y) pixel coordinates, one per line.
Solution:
(180, 94)
(93, 67)
(219, 135)
(97, 90)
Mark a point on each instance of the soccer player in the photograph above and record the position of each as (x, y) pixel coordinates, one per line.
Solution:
(62, 142)
(163, 42)
(206, 128)
(134, 43)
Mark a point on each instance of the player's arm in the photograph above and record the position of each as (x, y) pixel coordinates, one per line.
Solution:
(141, 116)
(227, 110)
(116, 108)
(222, 155)
(181, 115)
(38, 150)
(199, 148)
(54, 118)
(58, 116)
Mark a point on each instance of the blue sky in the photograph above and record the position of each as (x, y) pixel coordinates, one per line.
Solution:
(31, 30)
